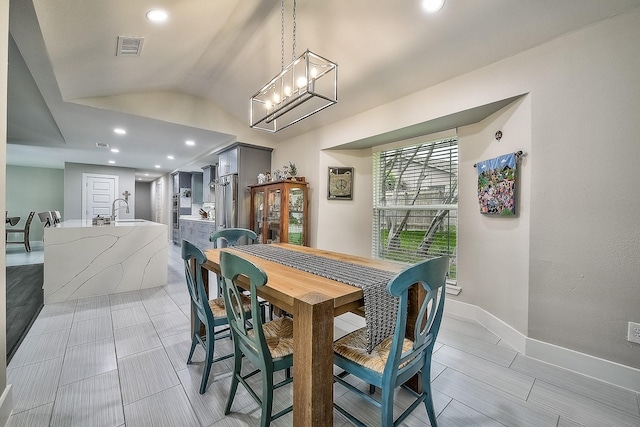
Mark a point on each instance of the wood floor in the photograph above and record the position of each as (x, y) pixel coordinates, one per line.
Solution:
(120, 360)
(24, 298)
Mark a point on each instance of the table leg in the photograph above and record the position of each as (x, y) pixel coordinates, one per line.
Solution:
(313, 360)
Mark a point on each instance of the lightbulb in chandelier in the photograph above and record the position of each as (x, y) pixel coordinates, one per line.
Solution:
(276, 98)
(287, 91)
(301, 82)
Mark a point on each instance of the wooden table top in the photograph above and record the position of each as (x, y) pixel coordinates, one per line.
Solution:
(287, 283)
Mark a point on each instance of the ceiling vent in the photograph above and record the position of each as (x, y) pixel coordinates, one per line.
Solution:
(102, 145)
(129, 46)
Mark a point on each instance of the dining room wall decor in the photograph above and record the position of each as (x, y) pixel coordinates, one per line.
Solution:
(340, 183)
(497, 188)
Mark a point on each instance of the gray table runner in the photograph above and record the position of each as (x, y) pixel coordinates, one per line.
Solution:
(381, 309)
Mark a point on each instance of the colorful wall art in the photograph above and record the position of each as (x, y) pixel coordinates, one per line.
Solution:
(497, 185)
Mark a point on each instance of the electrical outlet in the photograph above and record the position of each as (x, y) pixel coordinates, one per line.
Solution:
(634, 332)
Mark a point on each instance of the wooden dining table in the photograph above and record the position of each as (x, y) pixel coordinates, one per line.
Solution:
(313, 301)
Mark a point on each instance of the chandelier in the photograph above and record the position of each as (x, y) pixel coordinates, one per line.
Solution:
(304, 87)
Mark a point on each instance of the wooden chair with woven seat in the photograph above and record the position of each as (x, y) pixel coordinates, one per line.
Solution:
(24, 231)
(396, 359)
(207, 314)
(268, 346)
(233, 237)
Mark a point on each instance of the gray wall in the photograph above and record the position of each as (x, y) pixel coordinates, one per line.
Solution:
(566, 271)
(73, 187)
(34, 189)
(143, 201)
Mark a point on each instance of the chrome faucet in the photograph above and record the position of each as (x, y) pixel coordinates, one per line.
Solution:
(113, 207)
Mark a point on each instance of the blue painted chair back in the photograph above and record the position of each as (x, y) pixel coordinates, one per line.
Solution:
(253, 345)
(195, 284)
(233, 236)
(431, 275)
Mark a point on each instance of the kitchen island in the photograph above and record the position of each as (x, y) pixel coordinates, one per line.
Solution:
(83, 260)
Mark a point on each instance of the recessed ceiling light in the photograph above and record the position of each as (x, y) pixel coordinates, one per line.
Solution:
(115, 150)
(157, 15)
(432, 6)
(170, 157)
(158, 166)
(190, 142)
(146, 174)
(120, 131)
(112, 161)
(139, 179)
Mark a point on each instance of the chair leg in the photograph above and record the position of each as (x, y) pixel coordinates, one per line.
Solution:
(237, 368)
(209, 362)
(194, 342)
(387, 406)
(426, 390)
(267, 397)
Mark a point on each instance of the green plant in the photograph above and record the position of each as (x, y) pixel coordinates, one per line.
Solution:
(293, 169)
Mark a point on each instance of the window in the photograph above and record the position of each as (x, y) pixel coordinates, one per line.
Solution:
(415, 202)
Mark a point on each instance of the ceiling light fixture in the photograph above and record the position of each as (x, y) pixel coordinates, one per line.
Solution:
(304, 87)
(158, 166)
(190, 142)
(120, 131)
(112, 161)
(157, 15)
(170, 157)
(115, 150)
(432, 6)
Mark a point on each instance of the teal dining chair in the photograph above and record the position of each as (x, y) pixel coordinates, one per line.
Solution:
(268, 346)
(234, 237)
(207, 314)
(396, 359)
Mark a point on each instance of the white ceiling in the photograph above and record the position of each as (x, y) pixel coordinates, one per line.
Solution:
(196, 73)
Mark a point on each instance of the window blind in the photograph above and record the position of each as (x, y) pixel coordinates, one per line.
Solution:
(415, 202)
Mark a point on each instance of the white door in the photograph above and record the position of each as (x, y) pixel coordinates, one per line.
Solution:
(100, 192)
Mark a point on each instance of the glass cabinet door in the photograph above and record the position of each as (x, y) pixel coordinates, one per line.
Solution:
(273, 216)
(258, 214)
(296, 216)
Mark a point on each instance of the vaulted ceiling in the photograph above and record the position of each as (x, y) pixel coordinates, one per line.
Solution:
(193, 79)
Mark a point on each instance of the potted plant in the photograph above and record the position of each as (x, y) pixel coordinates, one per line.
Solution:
(293, 170)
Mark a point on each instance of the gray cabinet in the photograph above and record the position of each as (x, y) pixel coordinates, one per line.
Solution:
(247, 161)
(197, 232)
(196, 188)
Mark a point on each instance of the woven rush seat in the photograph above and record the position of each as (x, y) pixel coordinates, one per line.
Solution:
(354, 347)
(219, 310)
(279, 336)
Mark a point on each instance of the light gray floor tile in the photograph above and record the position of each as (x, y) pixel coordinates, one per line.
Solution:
(86, 360)
(34, 385)
(167, 408)
(565, 422)
(131, 316)
(144, 374)
(92, 308)
(458, 415)
(90, 330)
(492, 402)
(497, 376)
(172, 323)
(159, 305)
(152, 293)
(177, 348)
(186, 309)
(36, 417)
(36, 348)
(619, 398)
(136, 339)
(478, 347)
(124, 300)
(209, 407)
(52, 321)
(579, 408)
(470, 328)
(94, 401)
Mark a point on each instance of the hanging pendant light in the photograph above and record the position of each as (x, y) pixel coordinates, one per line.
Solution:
(304, 87)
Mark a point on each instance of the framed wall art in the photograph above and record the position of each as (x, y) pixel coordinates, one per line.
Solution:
(340, 183)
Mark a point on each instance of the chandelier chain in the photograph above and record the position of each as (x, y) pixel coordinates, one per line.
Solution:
(294, 31)
(282, 34)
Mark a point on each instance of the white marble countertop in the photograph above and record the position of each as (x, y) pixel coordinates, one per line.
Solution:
(195, 218)
(79, 223)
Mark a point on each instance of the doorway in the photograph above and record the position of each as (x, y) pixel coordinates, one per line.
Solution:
(98, 195)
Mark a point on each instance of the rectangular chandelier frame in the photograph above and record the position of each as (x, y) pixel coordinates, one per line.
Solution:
(308, 85)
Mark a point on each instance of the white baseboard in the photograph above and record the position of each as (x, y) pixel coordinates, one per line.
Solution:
(594, 367)
(6, 405)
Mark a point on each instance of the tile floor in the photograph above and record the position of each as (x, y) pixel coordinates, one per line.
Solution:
(119, 360)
